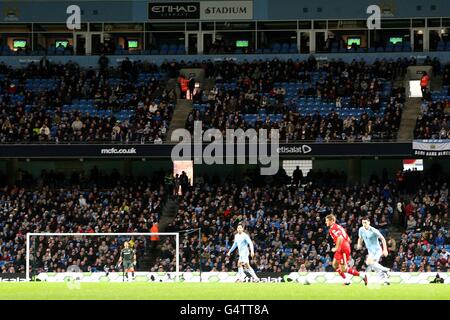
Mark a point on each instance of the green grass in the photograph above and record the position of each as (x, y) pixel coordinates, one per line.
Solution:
(219, 291)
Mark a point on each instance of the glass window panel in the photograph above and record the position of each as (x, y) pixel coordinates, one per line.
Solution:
(418, 23)
(235, 26)
(120, 27)
(395, 23)
(304, 24)
(96, 27)
(321, 24)
(277, 25)
(15, 27)
(207, 26)
(192, 26)
(56, 27)
(166, 26)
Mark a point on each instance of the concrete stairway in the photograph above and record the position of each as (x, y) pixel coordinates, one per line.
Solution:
(412, 111)
(168, 214)
(436, 83)
(409, 116)
(180, 115)
(208, 84)
(150, 258)
(172, 84)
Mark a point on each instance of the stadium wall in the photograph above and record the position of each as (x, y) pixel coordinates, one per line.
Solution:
(349, 9)
(87, 61)
(92, 61)
(136, 167)
(357, 173)
(126, 11)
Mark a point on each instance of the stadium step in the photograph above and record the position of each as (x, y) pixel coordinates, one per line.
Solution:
(209, 84)
(182, 110)
(168, 214)
(169, 211)
(409, 116)
(172, 84)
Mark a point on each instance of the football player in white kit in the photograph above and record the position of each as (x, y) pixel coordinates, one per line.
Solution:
(372, 238)
(242, 241)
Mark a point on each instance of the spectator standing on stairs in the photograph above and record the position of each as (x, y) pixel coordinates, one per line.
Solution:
(182, 85)
(297, 176)
(168, 183)
(424, 83)
(191, 87)
(176, 183)
(154, 239)
(184, 182)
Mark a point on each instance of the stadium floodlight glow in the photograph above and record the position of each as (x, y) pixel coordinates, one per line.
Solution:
(110, 234)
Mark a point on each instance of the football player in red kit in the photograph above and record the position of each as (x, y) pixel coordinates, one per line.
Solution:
(341, 250)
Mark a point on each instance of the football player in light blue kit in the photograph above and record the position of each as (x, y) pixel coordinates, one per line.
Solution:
(242, 241)
(370, 236)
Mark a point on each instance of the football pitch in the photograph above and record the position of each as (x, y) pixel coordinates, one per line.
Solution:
(219, 291)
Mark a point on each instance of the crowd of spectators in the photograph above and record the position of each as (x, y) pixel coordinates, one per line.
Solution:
(57, 203)
(283, 216)
(119, 104)
(286, 224)
(424, 216)
(433, 121)
(256, 91)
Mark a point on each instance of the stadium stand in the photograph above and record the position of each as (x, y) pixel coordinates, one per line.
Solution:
(285, 220)
(54, 202)
(336, 101)
(65, 103)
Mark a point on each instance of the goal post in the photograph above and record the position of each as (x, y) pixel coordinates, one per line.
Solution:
(59, 244)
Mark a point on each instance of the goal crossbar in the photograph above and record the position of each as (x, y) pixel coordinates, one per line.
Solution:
(76, 234)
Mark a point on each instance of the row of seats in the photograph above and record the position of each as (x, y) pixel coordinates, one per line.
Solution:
(343, 112)
(41, 84)
(148, 76)
(389, 48)
(252, 118)
(14, 98)
(443, 46)
(442, 94)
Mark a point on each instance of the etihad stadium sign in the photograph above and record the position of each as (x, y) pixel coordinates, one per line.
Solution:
(201, 10)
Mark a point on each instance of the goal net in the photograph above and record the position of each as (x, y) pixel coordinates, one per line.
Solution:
(92, 257)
